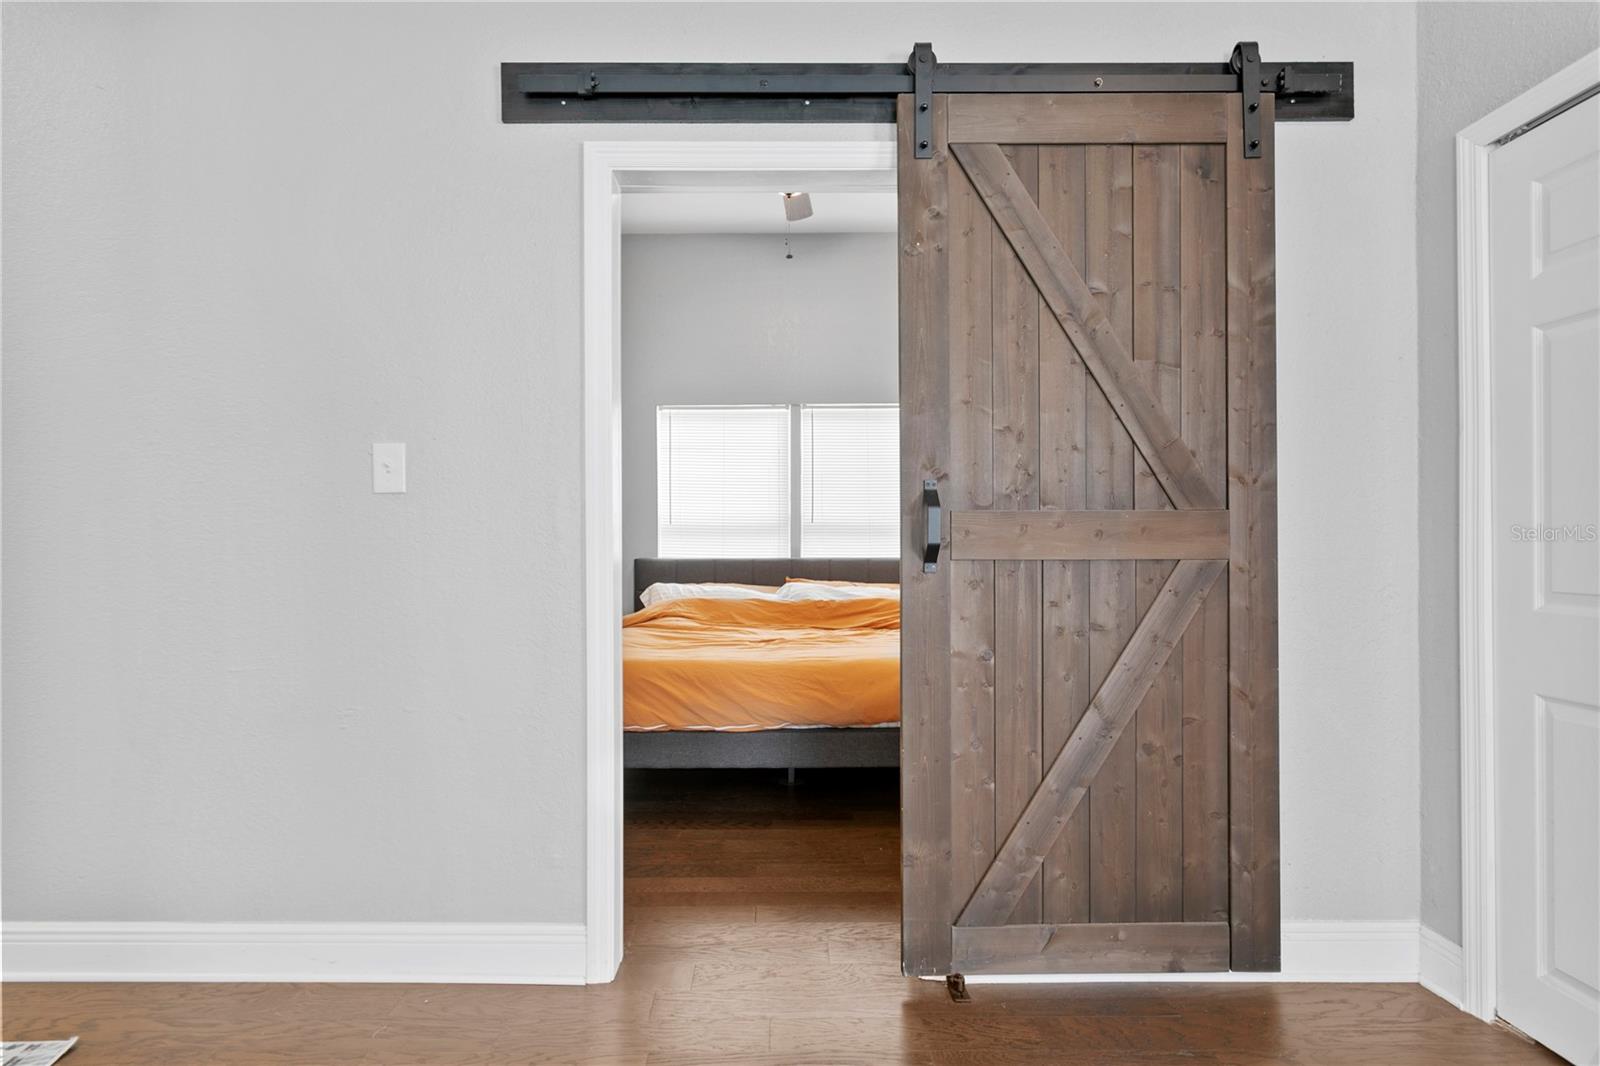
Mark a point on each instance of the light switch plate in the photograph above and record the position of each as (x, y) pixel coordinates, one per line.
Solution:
(388, 468)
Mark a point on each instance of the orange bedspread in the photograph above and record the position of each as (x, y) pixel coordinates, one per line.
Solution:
(742, 665)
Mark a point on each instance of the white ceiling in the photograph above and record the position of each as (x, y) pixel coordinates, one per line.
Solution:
(755, 212)
(748, 202)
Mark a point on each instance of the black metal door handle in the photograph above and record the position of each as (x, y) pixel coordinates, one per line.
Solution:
(934, 527)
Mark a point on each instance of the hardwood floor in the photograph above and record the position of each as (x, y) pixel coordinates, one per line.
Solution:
(762, 929)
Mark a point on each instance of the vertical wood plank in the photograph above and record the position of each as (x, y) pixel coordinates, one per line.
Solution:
(1204, 311)
(1108, 262)
(1205, 766)
(1063, 483)
(972, 593)
(1253, 572)
(1204, 308)
(1157, 259)
(1015, 327)
(1158, 725)
(927, 910)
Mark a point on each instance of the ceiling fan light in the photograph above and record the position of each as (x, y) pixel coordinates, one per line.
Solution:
(796, 206)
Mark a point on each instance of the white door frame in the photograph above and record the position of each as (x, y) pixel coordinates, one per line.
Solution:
(609, 169)
(1474, 146)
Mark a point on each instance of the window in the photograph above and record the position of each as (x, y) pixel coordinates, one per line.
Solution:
(850, 481)
(722, 482)
(728, 483)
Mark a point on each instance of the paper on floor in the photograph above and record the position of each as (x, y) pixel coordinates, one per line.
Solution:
(34, 1052)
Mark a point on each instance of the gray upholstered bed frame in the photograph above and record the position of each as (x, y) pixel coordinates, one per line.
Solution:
(773, 748)
(647, 572)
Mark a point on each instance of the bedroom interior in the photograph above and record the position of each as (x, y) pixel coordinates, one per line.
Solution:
(385, 384)
(760, 637)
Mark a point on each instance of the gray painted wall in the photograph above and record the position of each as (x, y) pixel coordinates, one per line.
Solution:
(239, 686)
(1505, 48)
(727, 319)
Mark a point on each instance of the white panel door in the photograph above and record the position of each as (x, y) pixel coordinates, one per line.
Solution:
(1545, 406)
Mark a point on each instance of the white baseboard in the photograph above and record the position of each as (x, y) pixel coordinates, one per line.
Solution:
(1386, 952)
(1441, 966)
(1351, 951)
(424, 952)
(533, 953)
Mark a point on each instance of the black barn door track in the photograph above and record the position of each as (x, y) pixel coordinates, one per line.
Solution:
(865, 92)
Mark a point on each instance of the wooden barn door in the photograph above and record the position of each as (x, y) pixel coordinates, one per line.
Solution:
(1090, 669)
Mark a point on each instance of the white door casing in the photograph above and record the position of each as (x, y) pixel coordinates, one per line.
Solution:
(1544, 392)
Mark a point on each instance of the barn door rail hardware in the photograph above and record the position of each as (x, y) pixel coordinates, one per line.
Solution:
(1247, 61)
(865, 92)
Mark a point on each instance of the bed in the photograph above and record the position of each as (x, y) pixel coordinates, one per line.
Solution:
(742, 684)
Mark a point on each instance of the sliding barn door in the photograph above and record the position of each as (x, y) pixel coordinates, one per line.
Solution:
(1090, 667)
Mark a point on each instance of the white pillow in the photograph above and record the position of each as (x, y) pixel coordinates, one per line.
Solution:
(806, 590)
(666, 591)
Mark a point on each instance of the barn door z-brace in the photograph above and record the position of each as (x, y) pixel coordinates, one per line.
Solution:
(866, 92)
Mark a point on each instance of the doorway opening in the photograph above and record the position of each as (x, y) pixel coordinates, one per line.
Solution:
(743, 531)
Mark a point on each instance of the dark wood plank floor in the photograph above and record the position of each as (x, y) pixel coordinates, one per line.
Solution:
(761, 928)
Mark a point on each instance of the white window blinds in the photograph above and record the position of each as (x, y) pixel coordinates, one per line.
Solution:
(722, 482)
(850, 481)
